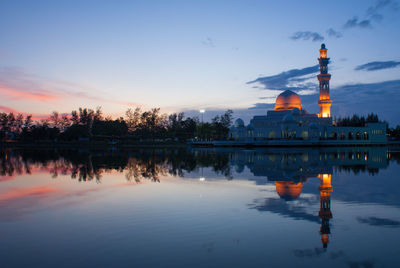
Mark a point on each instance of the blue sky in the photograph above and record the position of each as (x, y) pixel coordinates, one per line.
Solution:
(191, 55)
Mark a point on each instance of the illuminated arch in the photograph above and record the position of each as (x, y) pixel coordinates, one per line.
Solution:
(272, 134)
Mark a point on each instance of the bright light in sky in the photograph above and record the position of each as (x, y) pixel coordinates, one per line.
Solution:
(195, 55)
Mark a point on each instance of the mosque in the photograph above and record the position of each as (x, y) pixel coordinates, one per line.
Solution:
(290, 124)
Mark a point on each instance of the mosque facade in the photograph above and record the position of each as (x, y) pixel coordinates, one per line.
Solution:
(290, 123)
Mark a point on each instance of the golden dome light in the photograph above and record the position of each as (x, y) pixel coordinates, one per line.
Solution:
(287, 100)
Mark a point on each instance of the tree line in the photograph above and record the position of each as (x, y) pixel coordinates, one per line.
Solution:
(357, 121)
(85, 124)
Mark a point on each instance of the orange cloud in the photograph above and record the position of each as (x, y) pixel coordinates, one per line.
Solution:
(33, 191)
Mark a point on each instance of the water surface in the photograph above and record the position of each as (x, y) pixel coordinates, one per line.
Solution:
(334, 207)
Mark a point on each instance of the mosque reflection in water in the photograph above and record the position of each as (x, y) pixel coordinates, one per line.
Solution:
(288, 169)
(290, 190)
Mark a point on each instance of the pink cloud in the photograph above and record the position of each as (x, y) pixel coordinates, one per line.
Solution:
(24, 95)
(7, 109)
(17, 84)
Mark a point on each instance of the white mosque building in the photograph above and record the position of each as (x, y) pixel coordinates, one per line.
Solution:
(290, 124)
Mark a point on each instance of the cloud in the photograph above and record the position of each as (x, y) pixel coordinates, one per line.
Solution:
(372, 11)
(7, 109)
(373, 14)
(262, 106)
(281, 207)
(36, 95)
(17, 84)
(355, 22)
(377, 65)
(295, 79)
(307, 35)
(382, 222)
(331, 32)
(388, 87)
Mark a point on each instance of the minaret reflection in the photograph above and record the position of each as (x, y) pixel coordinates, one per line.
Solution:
(291, 190)
(325, 213)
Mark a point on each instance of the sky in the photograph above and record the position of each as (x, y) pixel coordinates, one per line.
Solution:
(183, 56)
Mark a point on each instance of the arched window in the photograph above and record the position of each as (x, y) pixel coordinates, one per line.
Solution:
(342, 135)
(285, 133)
(304, 134)
(358, 135)
(350, 135)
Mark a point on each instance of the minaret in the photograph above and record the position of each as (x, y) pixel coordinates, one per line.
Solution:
(324, 102)
(325, 213)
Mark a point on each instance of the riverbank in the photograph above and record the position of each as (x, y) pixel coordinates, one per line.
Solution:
(170, 144)
(293, 143)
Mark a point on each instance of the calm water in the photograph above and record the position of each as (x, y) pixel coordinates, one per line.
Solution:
(336, 207)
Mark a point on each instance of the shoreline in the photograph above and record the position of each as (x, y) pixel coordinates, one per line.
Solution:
(91, 145)
(291, 143)
(209, 144)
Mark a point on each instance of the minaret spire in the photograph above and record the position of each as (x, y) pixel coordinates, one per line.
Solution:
(324, 101)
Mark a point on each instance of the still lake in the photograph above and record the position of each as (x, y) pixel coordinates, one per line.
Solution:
(293, 207)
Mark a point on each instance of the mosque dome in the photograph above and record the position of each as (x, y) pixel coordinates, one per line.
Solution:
(239, 123)
(288, 190)
(287, 100)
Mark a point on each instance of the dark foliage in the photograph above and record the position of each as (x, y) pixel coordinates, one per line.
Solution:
(357, 121)
(86, 124)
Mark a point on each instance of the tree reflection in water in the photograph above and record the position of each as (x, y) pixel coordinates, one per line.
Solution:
(277, 165)
(88, 166)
